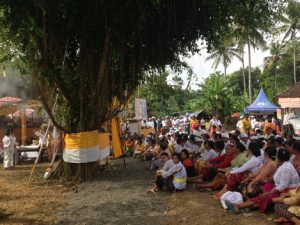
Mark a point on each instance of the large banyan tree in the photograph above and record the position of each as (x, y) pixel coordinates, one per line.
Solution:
(92, 54)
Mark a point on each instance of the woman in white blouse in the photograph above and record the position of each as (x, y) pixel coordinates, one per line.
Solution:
(237, 175)
(285, 178)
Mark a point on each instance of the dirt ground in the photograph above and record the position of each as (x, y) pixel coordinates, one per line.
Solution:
(37, 203)
(116, 197)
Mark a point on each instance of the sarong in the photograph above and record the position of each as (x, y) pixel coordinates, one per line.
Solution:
(233, 180)
(282, 210)
(265, 201)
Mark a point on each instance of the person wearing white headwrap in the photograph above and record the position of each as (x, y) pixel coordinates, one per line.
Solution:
(9, 148)
(244, 140)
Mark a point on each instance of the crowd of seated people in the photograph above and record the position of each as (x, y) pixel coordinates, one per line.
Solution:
(262, 168)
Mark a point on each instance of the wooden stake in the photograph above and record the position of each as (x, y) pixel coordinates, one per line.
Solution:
(23, 127)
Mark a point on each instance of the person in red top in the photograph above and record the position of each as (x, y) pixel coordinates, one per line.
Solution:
(221, 162)
(188, 163)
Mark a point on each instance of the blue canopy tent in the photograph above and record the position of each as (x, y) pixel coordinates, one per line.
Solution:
(261, 105)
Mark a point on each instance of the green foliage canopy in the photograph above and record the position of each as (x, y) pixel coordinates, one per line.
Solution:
(92, 54)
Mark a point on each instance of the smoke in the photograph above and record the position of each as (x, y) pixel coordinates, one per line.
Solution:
(13, 84)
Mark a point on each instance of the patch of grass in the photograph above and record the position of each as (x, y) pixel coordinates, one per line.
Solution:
(37, 203)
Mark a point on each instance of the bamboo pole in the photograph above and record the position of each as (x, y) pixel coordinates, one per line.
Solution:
(40, 152)
(41, 147)
(23, 127)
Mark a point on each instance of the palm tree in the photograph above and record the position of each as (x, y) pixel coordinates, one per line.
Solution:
(241, 45)
(251, 37)
(224, 54)
(291, 25)
(271, 61)
(276, 52)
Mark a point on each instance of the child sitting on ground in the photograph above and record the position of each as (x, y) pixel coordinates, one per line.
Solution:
(139, 149)
(129, 146)
(173, 176)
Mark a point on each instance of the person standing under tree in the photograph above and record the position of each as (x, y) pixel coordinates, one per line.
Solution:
(9, 147)
(213, 124)
(246, 124)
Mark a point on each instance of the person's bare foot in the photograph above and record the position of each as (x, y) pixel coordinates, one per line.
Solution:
(218, 195)
(237, 208)
(153, 189)
(198, 181)
(281, 220)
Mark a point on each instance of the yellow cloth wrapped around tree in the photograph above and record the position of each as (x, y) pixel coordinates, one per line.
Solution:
(81, 147)
(116, 141)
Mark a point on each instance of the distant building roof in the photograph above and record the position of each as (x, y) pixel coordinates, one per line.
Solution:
(292, 92)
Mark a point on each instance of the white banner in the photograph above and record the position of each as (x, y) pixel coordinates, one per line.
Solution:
(141, 108)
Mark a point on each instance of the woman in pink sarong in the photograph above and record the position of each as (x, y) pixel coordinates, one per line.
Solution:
(285, 178)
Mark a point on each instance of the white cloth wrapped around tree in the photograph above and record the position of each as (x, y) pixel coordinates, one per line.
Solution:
(86, 147)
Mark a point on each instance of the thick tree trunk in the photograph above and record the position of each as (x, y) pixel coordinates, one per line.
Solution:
(249, 72)
(94, 105)
(76, 172)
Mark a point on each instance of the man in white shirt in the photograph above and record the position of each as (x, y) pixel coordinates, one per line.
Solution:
(150, 123)
(144, 123)
(225, 138)
(244, 140)
(210, 153)
(239, 124)
(9, 148)
(202, 122)
(175, 122)
(215, 122)
(186, 119)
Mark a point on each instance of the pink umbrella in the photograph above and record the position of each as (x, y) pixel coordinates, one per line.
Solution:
(10, 99)
(18, 113)
(8, 105)
(236, 115)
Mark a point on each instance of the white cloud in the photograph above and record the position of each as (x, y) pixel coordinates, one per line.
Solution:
(203, 68)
